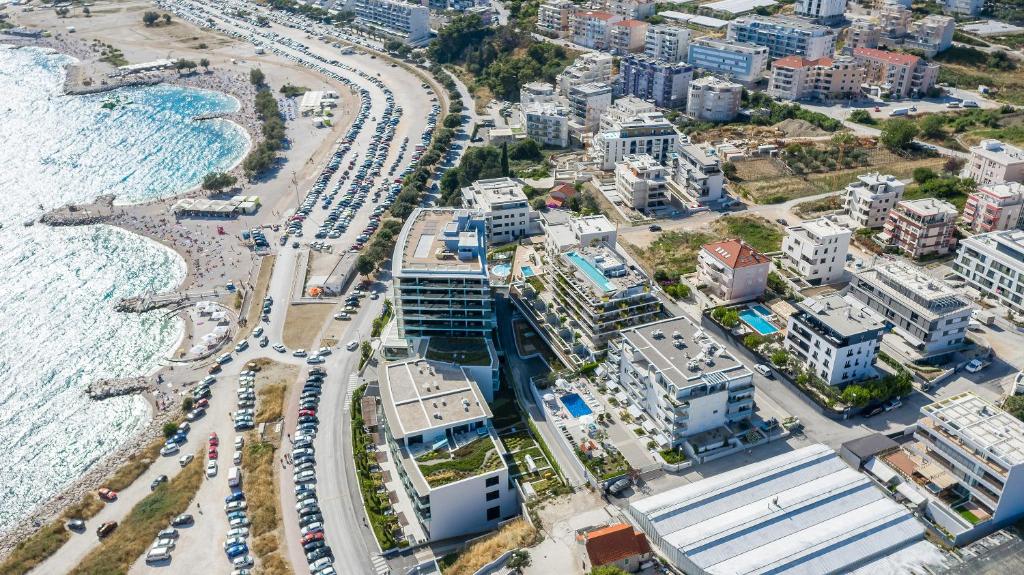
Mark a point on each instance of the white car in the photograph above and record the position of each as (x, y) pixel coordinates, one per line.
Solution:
(763, 370)
(257, 332)
(323, 351)
(239, 532)
(280, 348)
(237, 458)
(974, 366)
(239, 442)
(242, 346)
(299, 353)
(169, 449)
(352, 345)
(304, 476)
(234, 541)
(211, 469)
(163, 542)
(342, 316)
(235, 506)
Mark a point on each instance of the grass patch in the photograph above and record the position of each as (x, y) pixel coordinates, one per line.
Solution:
(606, 466)
(290, 91)
(515, 535)
(264, 505)
(303, 323)
(384, 526)
(672, 456)
(813, 208)
(761, 234)
(270, 402)
(130, 540)
(135, 467)
(970, 517)
(479, 456)
(968, 68)
(36, 549)
(674, 253)
(459, 350)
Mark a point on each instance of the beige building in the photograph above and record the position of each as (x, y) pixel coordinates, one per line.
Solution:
(993, 162)
(627, 36)
(921, 228)
(586, 69)
(592, 29)
(796, 78)
(869, 199)
(898, 74)
(553, 16)
(713, 99)
(733, 271)
(642, 182)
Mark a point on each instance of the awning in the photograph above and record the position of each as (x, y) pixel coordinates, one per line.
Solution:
(879, 469)
(937, 475)
(621, 397)
(635, 412)
(911, 494)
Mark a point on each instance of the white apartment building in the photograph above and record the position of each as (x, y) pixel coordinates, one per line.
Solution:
(836, 337)
(588, 68)
(441, 283)
(410, 23)
(580, 231)
(733, 271)
(434, 414)
(667, 42)
(592, 28)
(784, 37)
(684, 380)
(642, 182)
(975, 453)
(587, 102)
(869, 199)
(823, 11)
(503, 205)
(931, 34)
(537, 93)
(926, 312)
(817, 249)
(647, 133)
(739, 61)
(697, 178)
(546, 123)
(994, 207)
(631, 9)
(553, 16)
(965, 7)
(993, 162)
(993, 264)
(713, 99)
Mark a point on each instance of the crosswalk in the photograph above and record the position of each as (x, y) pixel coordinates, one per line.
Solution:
(353, 383)
(380, 566)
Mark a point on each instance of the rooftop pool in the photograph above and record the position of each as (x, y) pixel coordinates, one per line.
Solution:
(757, 323)
(575, 404)
(592, 272)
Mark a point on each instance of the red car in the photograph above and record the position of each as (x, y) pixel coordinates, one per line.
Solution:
(214, 441)
(204, 403)
(303, 412)
(312, 536)
(107, 494)
(213, 453)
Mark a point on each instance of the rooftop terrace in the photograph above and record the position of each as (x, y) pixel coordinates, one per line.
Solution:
(439, 240)
(420, 394)
(981, 425)
(683, 353)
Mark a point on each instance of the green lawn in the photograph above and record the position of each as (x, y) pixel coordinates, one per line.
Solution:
(970, 517)
(478, 457)
(674, 253)
(761, 234)
(459, 350)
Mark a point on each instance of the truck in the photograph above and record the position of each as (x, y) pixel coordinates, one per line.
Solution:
(900, 112)
(234, 477)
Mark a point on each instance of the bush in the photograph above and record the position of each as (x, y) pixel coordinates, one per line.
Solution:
(922, 175)
(678, 291)
(170, 428)
(861, 117)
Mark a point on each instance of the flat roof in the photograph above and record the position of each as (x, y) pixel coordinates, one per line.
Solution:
(991, 28)
(738, 6)
(843, 314)
(659, 343)
(702, 21)
(802, 512)
(907, 283)
(428, 236)
(929, 206)
(789, 23)
(999, 152)
(419, 395)
(980, 424)
(819, 228)
(494, 191)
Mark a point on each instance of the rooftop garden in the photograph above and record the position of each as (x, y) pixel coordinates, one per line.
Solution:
(478, 457)
(459, 350)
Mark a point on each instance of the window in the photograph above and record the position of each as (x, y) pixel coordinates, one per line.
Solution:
(493, 513)
(492, 495)
(492, 481)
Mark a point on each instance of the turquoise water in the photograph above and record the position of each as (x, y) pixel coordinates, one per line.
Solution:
(761, 310)
(527, 271)
(58, 328)
(575, 404)
(502, 270)
(758, 323)
(592, 272)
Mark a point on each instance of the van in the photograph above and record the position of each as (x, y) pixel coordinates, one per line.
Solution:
(900, 112)
(158, 554)
(234, 477)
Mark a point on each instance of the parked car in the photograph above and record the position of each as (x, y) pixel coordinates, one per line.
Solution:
(619, 486)
(183, 520)
(764, 370)
(77, 525)
(106, 529)
(156, 482)
(107, 494)
(974, 366)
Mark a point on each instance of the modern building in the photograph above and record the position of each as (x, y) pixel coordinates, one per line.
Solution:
(434, 416)
(600, 293)
(821, 11)
(733, 271)
(713, 99)
(553, 16)
(926, 312)
(619, 545)
(895, 73)
(537, 93)
(587, 103)
(817, 249)
(581, 231)
(642, 182)
(993, 162)
(871, 197)
(588, 68)
(931, 35)
(685, 381)
(805, 511)
(647, 133)
(592, 28)
(921, 228)
(975, 453)
(546, 123)
(964, 7)
(993, 264)
(441, 284)
(633, 9)
(836, 337)
(994, 208)
(742, 62)
(784, 37)
(408, 22)
(697, 178)
(649, 78)
(667, 42)
(503, 205)
(627, 36)
(863, 34)
(795, 78)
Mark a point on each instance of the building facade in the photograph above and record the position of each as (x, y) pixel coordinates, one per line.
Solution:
(627, 36)
(993, 264)
(964, 7)
(871, 197)
(592, 28)
(546, 123)
(993, 162)
(667, 42)
(817, 249)
(586, 69)
(822, 11)
(897, 74)
(647, 133)
(587, 103)
(642, 182)
(553, 16)
(713, 99)
(795, 78)
(410, 23)
(921, 228)
(503, 205)
(697, 178)
(733, 271)
(739, 61)
(784, 37)
(648, 78)
(994, 208)
(836, 337)
(633, 9)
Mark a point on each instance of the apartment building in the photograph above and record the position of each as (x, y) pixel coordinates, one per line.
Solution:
(817, 249)
(592, 28)
(649, 78)
(739, 61)
(537, 93)
(632, 9)
(667, 42)
(441, 284)
(713, 99)
(863, 34)
(580, 231)
(586, 69)
(705, 389)
(642, 182)
(994, 208)
(931, 35)
(920, 228)
(434, 414)
(871, 197)
(795, 78)
(546, 123)
(993, 264)
(553, 16)
(897, 74)
(733, 271)
(821, 11)
(784, 37)
(625, 109)
(993, 162)
(926, 312)
(587, 103)
(627, 36)
(503, 205)
(410, 23)
(836, 337)
(600, 293)
(964, 7)
(647, 133)
(697, 178)
(970, 458)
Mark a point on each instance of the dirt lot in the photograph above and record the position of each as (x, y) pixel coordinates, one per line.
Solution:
(303, 324)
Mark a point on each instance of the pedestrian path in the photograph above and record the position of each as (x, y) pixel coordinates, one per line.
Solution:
(380, 565)
(353, 383)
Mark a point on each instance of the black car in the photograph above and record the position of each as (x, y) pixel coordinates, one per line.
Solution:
(76, 525)
(182, 520)
(310, 519)
(320, 553)
(314, 545)
(872, 411)
(309, 419)
(156, 482)
(782, 221)
(654, 228)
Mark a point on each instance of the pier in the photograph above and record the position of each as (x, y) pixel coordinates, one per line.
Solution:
(108, 388)
(97, 212)
(150, 302)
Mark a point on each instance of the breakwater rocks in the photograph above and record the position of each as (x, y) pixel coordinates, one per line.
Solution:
(107, 388)
(142, 304)
(79, 82)
(98, 211)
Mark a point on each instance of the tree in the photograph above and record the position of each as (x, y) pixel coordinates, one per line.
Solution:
(86, 11)
(538, 203)
(167, 18)
(922, 175)
(729, 169)
(187, 403)
(607, 570)
(518, 559)
(256, 77)
(856, 395)
(504, 159)
(63, 12)
(170, 428)
(897, 134)
(861, 117)
(149, 18)
(780, 357)
(1014, 405)
(205, 63)
(217, 181)
(364, 265)
(365, 350)
(932, 127)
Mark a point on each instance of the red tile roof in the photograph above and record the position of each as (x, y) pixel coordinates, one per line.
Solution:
(565, 190)
(615, 543)
(886, 56)
(630, 23)
(798, 62)
(735, 253)
(598, 15)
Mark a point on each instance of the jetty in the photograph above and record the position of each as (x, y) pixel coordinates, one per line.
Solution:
(96, 212)
(150, 302)
(117, 387)
(211, 116)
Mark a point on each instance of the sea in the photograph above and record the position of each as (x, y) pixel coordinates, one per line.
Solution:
(58, 329)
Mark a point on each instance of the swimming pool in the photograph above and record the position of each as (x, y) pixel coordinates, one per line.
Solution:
(761, 310)
(575, 404)
(592, 272)
(501, 270)
(758, 323)
(527, 271)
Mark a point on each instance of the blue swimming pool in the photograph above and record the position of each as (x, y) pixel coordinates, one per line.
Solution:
(527, 271)
(501, 270)
(592, 272)
(758, 323)
(761, 310)
(575, 404)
